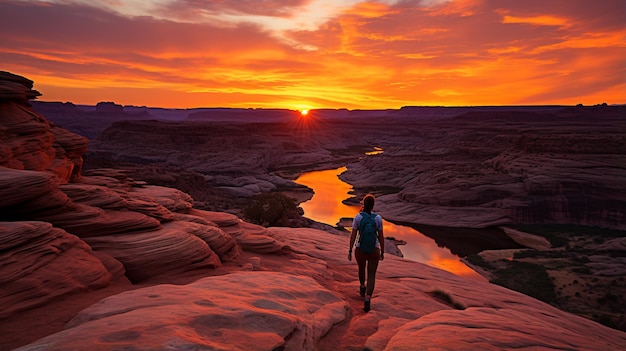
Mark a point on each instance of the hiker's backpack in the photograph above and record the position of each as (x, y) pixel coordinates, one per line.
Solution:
(368, 233)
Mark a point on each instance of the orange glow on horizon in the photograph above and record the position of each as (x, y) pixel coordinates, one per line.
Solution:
(348, 54)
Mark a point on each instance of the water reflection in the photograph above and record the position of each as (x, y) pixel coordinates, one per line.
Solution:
(376, 151)
(326, 206)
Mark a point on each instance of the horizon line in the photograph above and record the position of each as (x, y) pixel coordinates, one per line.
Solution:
(334, 108)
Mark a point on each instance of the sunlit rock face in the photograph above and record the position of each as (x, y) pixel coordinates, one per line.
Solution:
(239, 311)
(308, 300)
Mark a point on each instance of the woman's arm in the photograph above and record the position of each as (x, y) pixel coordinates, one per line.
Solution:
(352, 239)
(381, 240)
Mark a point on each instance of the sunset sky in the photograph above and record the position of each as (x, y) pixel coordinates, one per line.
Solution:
(301, 54)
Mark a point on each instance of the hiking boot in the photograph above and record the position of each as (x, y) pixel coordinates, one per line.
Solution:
(366, 305)
(362, 291)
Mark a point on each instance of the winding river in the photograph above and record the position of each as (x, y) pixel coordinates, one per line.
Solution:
(326, 206)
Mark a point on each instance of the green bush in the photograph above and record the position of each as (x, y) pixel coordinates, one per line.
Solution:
(527, 278)
(270, 209)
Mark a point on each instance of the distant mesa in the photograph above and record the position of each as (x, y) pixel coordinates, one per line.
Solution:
(109, 107)
(242, 115)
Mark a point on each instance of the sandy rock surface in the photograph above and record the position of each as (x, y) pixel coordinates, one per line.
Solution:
(308, 300)
(239, 311)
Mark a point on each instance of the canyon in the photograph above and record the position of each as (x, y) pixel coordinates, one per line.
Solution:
(457, 168)
(132, 237)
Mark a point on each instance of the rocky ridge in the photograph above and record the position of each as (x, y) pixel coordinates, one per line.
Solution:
(65, 232)
(475, 170)
(502, 167)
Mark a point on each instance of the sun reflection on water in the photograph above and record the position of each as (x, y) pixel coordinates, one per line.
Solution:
(326, 206)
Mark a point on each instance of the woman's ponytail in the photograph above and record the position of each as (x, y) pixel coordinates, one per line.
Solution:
(368, 203)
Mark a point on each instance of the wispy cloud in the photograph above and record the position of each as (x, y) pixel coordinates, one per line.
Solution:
(536, 20)
(318, 53)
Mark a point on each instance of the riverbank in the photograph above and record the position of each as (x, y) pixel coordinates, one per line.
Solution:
(576, 268)
(328, 205)
(582, 271)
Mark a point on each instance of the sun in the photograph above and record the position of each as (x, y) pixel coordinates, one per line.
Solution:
(304, 112)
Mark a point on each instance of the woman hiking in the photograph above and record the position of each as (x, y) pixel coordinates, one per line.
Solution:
(370, 248)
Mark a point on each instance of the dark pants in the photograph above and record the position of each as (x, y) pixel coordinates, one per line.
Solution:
(371, 261)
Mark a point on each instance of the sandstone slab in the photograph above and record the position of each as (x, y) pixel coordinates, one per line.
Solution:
(240, 311)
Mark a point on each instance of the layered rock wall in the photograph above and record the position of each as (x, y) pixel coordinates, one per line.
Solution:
(495, 168)
(490, 167)
(64, 232)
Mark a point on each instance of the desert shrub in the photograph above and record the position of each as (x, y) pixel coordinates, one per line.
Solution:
(478, 260)
(270, 209)
(559, 234)
(582, 270)
(608, 298)
(446, 298)
(557, 240)
(528, 278)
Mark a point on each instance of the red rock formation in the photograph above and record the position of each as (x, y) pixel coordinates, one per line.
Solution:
(120, 218)
(309, 301)
(494, 166)
(502, 167)
(30, 142)
(91, 229)
(39, 263)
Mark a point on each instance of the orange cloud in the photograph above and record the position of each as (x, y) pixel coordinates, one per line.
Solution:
(537, 20)
(369, 10)
(322, 53)
(589, 41)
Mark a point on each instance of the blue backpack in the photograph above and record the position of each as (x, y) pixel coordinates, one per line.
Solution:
(368, 233)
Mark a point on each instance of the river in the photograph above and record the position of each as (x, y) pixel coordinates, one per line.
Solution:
(326, 206)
